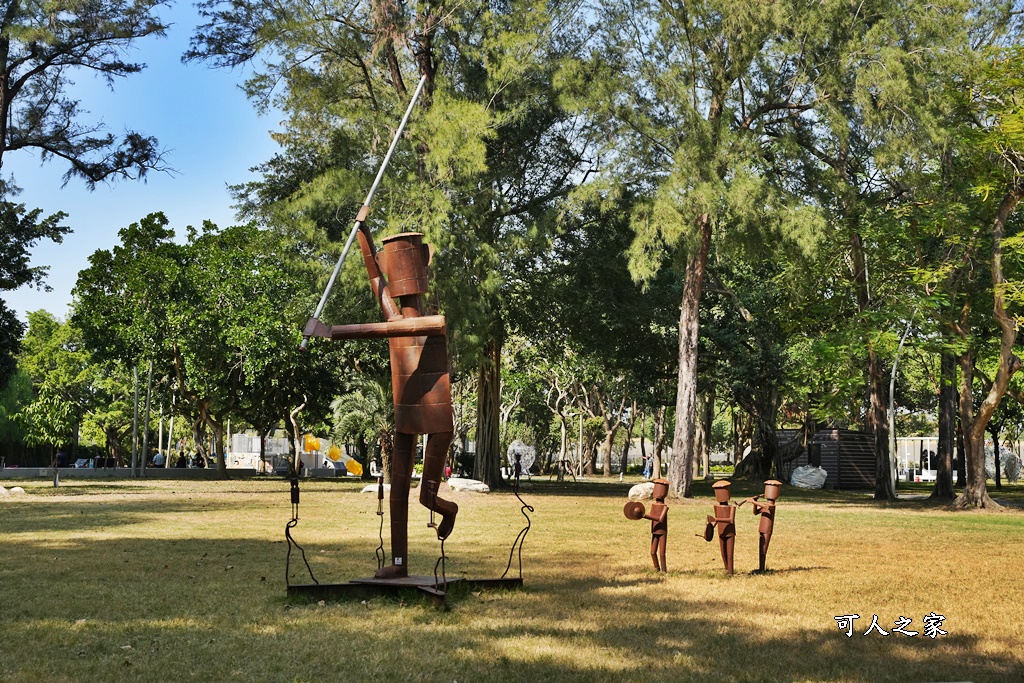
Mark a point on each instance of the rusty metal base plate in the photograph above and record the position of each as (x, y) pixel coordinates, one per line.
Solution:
(371, 586)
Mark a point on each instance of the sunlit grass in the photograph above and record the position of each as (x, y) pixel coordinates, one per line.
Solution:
(185, 581)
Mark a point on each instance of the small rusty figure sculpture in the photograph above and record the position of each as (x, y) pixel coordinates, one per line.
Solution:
(419, 379)
(725, 520)
(659, 522)
(772, 488)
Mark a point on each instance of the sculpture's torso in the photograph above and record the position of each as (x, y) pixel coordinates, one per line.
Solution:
(419, 379)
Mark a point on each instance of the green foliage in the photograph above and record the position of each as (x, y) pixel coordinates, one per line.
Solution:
(16, 394)
(364, 410)
(20, 231)
(44, 43)
(219, 316)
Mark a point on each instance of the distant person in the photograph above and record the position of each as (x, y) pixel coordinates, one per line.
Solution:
(62, 458)
(200, 462)
(159, 459)
(181, 463)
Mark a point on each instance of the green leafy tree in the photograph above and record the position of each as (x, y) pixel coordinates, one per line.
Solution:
(42, 44)
(211, 314)
(20, 231)
(63, 375)
(366, 413)
(16, 394)
(688, 98)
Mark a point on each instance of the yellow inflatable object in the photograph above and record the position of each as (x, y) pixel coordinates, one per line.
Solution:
(334, 453)
(311, 443)
(354, 467)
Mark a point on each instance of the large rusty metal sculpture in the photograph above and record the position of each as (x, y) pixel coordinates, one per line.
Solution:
(419, 380)
(398, 279)
(724, 520)
(772, 488)
(658, 515)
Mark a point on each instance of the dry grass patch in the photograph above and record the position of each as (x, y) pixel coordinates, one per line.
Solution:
(183, 581)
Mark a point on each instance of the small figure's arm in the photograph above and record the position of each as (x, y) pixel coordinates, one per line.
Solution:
(658, 513)
(758, 506)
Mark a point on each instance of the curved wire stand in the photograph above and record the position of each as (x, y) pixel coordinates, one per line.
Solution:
(292, 523)
(381, 554)
(443, 583)
(521, 538)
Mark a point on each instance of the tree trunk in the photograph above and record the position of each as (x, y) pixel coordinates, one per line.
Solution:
(659, 440)
(218, 446)
(947, 428)
(975, 494)
(877, 417)
(643, 437)
(145, 422)
(487, 465)
(702, 438)
(993, 429)
(681, 467)
(606, 451)
(878, 424)
(961, 451)
(563, 454)
(591, 450)
(624, 461)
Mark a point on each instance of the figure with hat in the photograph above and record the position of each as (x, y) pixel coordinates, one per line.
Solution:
(724, 520)
(658, 515)
(417, 342)
(772, 488)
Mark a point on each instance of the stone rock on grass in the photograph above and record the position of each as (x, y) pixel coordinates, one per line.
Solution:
(644, 491)
(4, 493)
(372, 488)
(17, 491)
(471, 485)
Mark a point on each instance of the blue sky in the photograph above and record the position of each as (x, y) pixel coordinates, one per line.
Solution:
(200, 115)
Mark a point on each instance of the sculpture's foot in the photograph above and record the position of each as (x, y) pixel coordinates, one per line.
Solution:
(392, 572)
(444, 529)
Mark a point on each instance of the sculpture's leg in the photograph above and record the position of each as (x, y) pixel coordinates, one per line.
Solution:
(654, 553)
(401, 475)
(434, 456)
(662, 542)
(727, 541)
(766, 538)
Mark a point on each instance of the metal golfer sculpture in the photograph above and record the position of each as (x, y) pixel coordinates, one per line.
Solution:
(419, 380)
(417, 339)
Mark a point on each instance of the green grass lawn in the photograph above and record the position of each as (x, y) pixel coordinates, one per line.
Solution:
(177, 581)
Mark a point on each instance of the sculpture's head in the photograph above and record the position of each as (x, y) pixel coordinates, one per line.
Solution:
(660, 489)
(772, 488)
(721, 488)
(404, 261)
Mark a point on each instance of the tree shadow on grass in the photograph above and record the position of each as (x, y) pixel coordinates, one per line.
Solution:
(84, 515)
